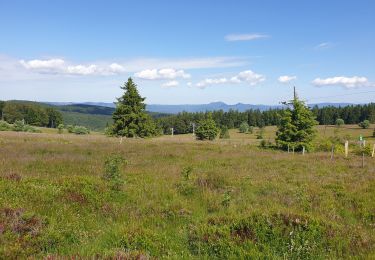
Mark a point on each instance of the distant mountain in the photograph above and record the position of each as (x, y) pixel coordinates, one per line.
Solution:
(174, 109)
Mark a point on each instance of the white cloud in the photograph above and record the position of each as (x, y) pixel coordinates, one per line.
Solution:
(323, 46)
(147, 74)
(51, 64)
(116, 68)
(83, 70)
(286, 78)
(163, 67)
(206, 82)
(345, 82)
(244, 37)
(246, 76)
(170, 84)
(59, 66)
(166, 73)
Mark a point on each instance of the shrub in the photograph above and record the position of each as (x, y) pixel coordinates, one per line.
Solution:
(18, 125)
(112, 170)
(224, 133)
(251, 129)
(363, 150)
(186, 172)
(70, 128)
(30, 129)
(60, 128)
(226, 199)
(373, 133)
(207, 130)
(244, 127)
(364, 124)
(260, 133)
(80, 130)
(4, 126)
(339, 122)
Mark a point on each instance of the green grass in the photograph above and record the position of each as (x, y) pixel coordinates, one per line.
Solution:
(238, 201)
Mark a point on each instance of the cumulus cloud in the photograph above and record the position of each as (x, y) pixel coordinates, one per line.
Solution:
(206, 82)
(170, 84)
(116, 68)
(166, 73)
(60, 66)
(43, 65)
(247, 76)
(286, 78)
(83, 70)
(163, 68)
(345, 82)
(244, 37)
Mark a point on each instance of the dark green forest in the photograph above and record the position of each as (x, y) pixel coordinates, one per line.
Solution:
(97, 117)
(183, 122)
(31, 112)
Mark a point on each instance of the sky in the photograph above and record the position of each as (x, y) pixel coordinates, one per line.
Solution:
(188, 52)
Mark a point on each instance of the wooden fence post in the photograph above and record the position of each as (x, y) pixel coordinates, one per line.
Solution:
(373, 151)
(363, 160)
(332, 150)
(303, 150)
(346, 148)
(288, 148)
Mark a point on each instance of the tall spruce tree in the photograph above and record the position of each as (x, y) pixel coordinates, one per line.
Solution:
(296, 127)
(130, 117)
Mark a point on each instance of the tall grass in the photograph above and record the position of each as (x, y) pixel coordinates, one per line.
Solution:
(182, 199)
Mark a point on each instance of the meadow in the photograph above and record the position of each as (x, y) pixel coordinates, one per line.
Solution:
(183, 198)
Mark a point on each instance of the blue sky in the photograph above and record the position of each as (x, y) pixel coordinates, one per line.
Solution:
(191, 52)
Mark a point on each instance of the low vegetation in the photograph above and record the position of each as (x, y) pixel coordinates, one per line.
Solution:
(207, 129)
(73, 196)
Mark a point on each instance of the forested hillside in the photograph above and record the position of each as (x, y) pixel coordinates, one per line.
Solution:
(183, 122)
(98, 117)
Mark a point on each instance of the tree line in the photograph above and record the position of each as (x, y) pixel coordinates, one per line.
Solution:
(184, 122)
(30, 113)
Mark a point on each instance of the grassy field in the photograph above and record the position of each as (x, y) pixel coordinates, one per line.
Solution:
(184, 198)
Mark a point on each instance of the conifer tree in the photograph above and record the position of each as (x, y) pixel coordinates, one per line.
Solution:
(207, 129)
(130, 117)
(296, 127)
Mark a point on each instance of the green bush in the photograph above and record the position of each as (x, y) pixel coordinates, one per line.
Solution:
(30, 129)
(18, 125)
(260, 133)
(226, 199)
(80, 130)
(339, 122)
(60, 128)
(251, 129)
(224, 133)
(364, 124)
(244, 127)
(325, 144)
(186, 172)
(359, 150)
(207, 130)
(112, 170)
(373, 133)
(4, 126)
(70, 128)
